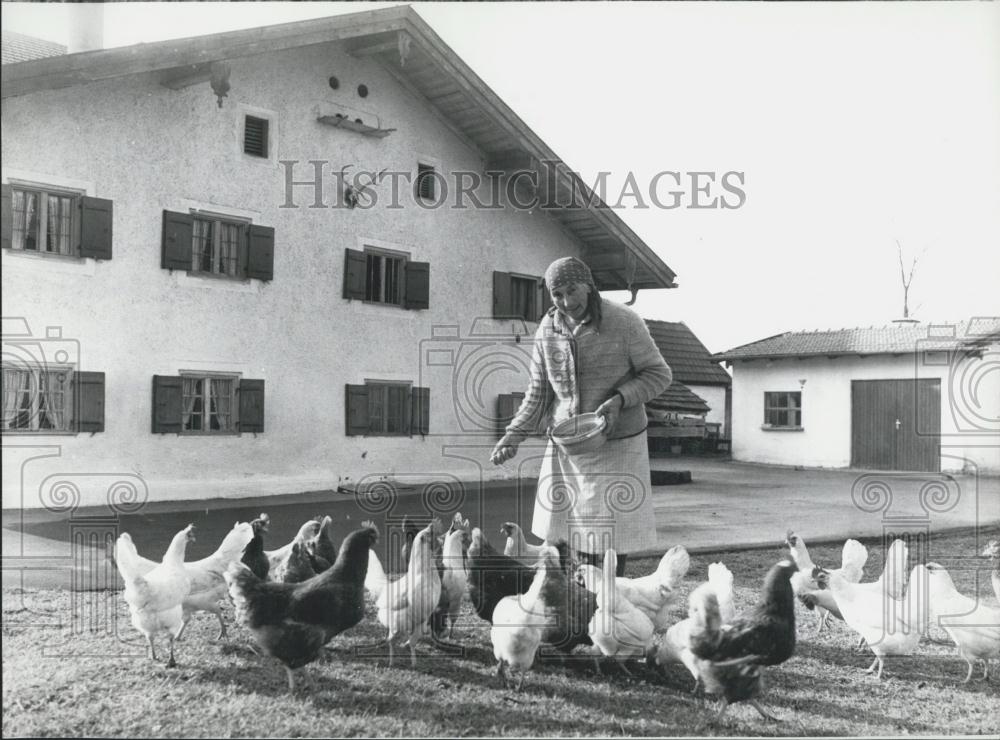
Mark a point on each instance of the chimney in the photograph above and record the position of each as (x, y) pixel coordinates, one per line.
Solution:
(86, 27)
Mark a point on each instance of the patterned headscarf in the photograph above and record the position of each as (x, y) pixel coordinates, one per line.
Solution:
(568, 270)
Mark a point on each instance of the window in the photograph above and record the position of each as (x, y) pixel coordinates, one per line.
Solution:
(519, 296)
(783, 409)
(37, 400)
(523, 293)
(384, 278)
(217, 246)
(42, 221)
(425, 181)
(208, 403)
(387, 408)
(255, 136)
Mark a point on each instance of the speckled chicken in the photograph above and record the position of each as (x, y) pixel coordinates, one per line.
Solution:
(276, 558)
(293, 621)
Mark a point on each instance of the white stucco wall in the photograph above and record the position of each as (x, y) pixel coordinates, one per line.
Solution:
(970, 408)
(149, 148)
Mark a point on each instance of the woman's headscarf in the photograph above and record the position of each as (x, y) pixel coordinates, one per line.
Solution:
(568, 270)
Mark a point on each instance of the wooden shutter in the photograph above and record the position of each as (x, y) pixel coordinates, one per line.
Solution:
(6, 217)
(251, 393)
(354, 274)
(418, 285)
(89, 399)
(546, 300)
(260, 262)
(96, 222)
(420, 410)
(177, 234)
(357, 410)
(507, 406)
(502, 308)
(168, 404)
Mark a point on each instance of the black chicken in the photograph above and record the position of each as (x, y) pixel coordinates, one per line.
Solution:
(730, 659)
(322, 548)
(293, 621)
(253, 554)
(410, 530)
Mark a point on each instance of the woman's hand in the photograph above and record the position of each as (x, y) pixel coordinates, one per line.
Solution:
(503, 452)
(610, 410)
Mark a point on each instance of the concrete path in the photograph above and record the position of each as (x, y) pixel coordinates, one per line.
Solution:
(727, 505)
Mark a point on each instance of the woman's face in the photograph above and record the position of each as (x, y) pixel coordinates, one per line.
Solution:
(571, 299)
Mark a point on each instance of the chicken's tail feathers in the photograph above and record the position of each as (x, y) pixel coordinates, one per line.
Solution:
(853, 560)
(234, 543)
(673, 566)
(721, 579)
(376, 578)
(126, 557)
(895, 571)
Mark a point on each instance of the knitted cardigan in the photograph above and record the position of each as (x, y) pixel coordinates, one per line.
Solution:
(571, 375)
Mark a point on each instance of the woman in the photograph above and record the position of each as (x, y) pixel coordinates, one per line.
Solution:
(591, 355)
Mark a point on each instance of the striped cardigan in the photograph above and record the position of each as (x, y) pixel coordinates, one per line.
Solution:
(575, 372)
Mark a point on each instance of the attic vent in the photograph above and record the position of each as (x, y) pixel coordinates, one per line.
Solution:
(425, 181)
(255, 136)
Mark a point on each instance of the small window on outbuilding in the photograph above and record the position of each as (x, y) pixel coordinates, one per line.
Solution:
(255, 136)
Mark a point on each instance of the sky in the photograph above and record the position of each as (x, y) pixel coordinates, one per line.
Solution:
(860, 129)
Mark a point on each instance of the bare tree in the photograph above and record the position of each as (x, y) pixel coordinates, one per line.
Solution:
(906, 278)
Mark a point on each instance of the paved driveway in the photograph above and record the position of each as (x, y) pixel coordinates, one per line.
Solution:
(726, 505)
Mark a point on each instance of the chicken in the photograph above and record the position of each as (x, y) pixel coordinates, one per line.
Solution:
(322, 548)
(853, 560)
(297, 567)
(276, 558)
(652, 594)
(890, 627)
(454, 578)
(519, 621)
(293, 621)
(253, 556)
(208, 586)
(974, 626)
(992, 551)
(674, 646)
(618, 628)
(730, 682)
(517, 547)
(155, 598)
(410, 532)
(405, 604)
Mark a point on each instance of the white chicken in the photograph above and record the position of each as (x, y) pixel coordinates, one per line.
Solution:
(652, 594)
(618, 628)
(208, 585)
(992, 551)
(889, 626)
(852, 567)
(155, 599)
(455, 578)
(974, 626)
(517, 547)
(277, 558)
(406, 604)
(520, 621)
(675, 645)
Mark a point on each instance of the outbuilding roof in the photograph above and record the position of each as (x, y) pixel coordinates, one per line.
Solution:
(680, 399)
(894, 339)
(409, 50)
(17, 47)
(688, 358)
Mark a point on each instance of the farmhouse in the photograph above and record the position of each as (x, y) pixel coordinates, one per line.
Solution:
(908, 397)
(230, 267)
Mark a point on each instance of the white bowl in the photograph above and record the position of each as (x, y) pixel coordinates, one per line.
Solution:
(579, 434)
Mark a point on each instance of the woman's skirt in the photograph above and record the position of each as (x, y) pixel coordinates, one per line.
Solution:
(597, 500)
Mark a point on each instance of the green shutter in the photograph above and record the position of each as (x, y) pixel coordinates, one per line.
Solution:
(96, 226)
(251, 393)
(420, 410)
(177, 247)
(354, 274)
(357, 410)
(89, 398)
(418, 285)
(6, 217)
(260, 262)
(168, 404)
(501, 296)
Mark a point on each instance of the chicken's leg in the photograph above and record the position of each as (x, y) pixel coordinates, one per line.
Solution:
(291, 680)
(502, 674)
(172, 663)
(184, 626)
(520, 681)
(222, 627)
(413, 653)
(764, 713)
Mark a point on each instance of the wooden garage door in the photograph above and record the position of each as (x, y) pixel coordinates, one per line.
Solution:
(896, 424)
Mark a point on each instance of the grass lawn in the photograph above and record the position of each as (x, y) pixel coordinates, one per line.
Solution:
(68, 680)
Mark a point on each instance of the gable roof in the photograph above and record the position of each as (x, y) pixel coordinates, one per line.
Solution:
(406, 47)
(894, 339)
(18, 47)
(679, 398)
(688, 358)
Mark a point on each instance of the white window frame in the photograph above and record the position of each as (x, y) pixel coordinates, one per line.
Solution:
(206, 414)
(383, 253)
(44, 191)
(35, 397)
(218, 220)
(789, 410)
(383, 386)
